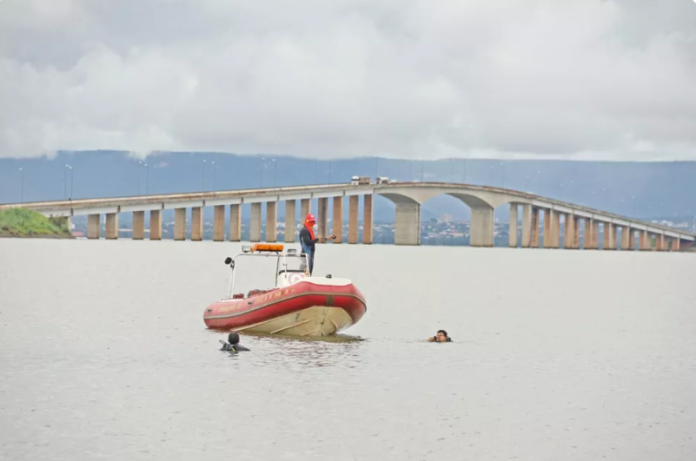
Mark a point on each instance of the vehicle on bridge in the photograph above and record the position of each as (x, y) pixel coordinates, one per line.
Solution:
(382, 180)
(298, 304)
(359, 180)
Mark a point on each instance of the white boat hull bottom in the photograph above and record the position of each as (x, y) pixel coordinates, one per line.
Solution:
(313, 321)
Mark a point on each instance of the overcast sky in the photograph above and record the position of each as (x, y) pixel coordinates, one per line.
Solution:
(575, 79)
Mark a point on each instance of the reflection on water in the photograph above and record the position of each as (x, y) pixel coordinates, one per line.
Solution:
(339, 338)
(556, 355)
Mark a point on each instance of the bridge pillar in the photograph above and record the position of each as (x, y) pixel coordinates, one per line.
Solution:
(219, 223)
(93, 226)
(535, 227)
(322, 216)
(305, 208)
(111, 226)
(272, 221)
(235, 223)
(338, 219)
(569, 231)
(593, 240)
(481, 230)
(353, 203)
(290, 220)
(196, 224)
(367, 219)
(609, 242)
(138, 225)
(407, 224)
(643, 244)
(552, 222)
(180, 224)
(155, 225)
(513, 226)
(625, 238)
(255, 224)
(661, 242)
(526, 226)
(677, 244)
(576, 234)
(587, 234)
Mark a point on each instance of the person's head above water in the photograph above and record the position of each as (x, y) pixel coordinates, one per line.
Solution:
(233, 338)
(441, 337)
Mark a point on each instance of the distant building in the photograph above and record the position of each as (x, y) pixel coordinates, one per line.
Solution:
(445, 218)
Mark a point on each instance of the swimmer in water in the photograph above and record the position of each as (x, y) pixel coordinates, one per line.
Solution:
(441, 337)
(233, 344)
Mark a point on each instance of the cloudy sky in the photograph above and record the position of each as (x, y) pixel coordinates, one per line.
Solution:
(576, 79)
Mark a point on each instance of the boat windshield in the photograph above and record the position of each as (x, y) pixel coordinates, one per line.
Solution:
(252, 274)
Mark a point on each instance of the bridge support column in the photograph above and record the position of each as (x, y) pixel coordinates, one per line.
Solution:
(513, 226)
(219, 223)
(138, 225)
(552, 222)
(235, 223)
(255, 224)
(196, 224)
(661, 242)
(272, 221)
(353, 204)
(576, 234)
(643, 244)
(93, 226)
(595, 234)
(587, 234)
(547, 228)
(111, 226)
(407, 224)
(481, 227)
(155, 225)
(305, 208)
(322, 216)
(625, 238)
(180, 224)
(367, 219)
(338, 219)
(677, 244)
(535, 227)
(290, 220)
(526, 226)
(569, 232)
(609, 242)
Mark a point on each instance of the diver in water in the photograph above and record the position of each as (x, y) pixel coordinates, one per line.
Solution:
(441, 337)
(308, 240)
(233, 344)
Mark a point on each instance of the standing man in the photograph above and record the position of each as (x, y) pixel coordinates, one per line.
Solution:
(308, 240)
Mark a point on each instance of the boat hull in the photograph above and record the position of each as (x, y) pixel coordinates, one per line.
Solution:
(311, 307)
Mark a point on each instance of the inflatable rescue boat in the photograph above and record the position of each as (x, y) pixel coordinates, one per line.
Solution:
(298, 305)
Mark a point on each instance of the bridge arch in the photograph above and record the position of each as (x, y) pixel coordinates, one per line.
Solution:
(408, 201)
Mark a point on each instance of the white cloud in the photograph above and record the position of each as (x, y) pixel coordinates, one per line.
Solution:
(408, 78)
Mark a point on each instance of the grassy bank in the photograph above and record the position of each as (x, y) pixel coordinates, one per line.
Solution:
(20, 222)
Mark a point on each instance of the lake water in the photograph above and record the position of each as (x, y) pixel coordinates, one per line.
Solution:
(558, 355)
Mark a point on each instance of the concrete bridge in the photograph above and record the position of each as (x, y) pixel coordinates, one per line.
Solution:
(617, 231)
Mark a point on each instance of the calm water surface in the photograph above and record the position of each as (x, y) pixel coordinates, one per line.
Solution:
(558, 355)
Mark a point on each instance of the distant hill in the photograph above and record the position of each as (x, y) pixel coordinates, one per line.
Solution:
(634, 189)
